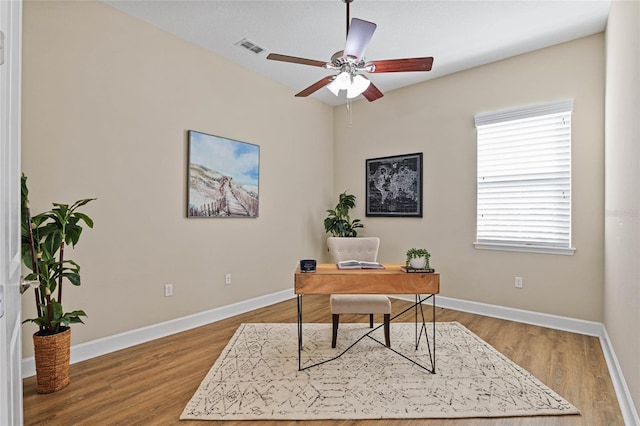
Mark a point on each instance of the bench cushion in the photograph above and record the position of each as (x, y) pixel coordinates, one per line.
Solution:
(360, 304)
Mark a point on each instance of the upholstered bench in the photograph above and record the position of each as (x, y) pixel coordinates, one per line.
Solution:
(360, 304)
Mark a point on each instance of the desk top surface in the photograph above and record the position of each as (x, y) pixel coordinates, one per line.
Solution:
(328, 279)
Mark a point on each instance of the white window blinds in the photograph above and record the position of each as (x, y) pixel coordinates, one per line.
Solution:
(524, 178)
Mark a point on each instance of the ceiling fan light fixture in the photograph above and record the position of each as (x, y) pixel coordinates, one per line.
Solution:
(341, 82)
(358, 85)
(333, 88)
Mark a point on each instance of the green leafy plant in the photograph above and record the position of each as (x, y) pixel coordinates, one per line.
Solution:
(414, 253)
(44, 237)
(338, 222)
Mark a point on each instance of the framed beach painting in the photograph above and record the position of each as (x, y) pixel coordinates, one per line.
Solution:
(394, 186)
(223, 177)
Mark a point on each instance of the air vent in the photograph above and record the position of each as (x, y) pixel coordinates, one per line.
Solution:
(250, 46)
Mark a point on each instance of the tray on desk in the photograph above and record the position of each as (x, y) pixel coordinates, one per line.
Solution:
(409, 269)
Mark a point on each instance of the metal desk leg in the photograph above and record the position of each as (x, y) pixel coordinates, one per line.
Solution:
(417, 301)
(299, 332)
(423, 328)
(433, 313)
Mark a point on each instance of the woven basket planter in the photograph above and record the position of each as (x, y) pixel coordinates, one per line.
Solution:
(52, 354)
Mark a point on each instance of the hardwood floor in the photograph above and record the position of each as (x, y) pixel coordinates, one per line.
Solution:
(151, 383)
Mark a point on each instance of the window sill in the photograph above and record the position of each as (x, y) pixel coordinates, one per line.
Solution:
(525, 248)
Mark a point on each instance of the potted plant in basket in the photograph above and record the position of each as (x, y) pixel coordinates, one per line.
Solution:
(44, 237)
(338, 222)
(418, 258)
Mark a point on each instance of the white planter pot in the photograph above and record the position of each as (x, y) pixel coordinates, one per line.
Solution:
(418, 262)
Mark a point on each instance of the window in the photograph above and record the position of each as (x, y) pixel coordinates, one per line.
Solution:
(524, 179)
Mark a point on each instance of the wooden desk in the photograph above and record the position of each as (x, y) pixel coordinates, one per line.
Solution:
(328, 279)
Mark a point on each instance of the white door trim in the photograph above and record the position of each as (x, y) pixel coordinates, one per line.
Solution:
(10, 259)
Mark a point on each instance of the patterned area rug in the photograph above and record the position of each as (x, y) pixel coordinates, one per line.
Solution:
(256, 378)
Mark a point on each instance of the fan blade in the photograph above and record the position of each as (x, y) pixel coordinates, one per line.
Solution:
(360, 33)
(401, 65)
(372, 93)
(316, 86)
(296, 60)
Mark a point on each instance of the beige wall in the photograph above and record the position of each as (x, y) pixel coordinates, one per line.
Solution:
(107, 101)
(437, 118)
(622, 202)
(111, 98)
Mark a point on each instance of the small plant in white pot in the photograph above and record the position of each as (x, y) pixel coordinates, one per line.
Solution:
(418, 258)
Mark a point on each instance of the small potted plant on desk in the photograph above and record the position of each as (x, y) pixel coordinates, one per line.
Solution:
(44, 237)
(418, 259)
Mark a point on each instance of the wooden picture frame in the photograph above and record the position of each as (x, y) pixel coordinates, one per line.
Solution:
(394, 186)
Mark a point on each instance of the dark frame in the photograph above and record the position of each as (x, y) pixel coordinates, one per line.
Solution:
(223, 177)
(394, 186)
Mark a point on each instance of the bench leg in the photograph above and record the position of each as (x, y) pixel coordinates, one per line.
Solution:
(334, 337)
(370, 320)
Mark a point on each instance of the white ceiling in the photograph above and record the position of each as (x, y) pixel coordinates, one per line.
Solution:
(458, 34)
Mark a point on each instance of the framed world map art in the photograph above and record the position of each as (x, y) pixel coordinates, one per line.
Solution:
(394, 186)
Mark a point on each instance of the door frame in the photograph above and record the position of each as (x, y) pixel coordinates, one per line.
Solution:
(11, 411)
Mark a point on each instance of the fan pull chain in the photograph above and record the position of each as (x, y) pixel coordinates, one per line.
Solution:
(349, 109)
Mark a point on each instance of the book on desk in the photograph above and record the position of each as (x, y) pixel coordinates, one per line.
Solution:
(358, 264)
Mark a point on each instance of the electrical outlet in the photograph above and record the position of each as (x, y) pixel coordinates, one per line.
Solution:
(518, 282)
(227, 278)
(168, 290)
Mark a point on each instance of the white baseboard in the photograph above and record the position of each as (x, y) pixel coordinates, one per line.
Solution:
(106, 345)
(629, 412)
(114, 343)
(589, 328)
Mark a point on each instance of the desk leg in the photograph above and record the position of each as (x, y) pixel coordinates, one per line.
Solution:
(423, 327)
(416, 319)
(299, 332)
(433, 315)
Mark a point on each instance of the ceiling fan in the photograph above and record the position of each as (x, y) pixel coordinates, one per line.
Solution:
(351, 64)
